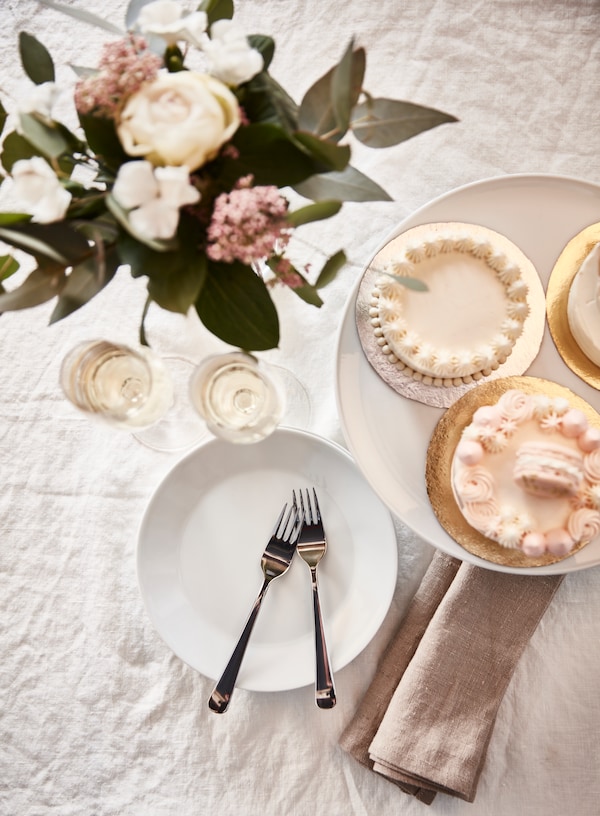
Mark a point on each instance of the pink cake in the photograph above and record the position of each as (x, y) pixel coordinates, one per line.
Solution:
(526, 474)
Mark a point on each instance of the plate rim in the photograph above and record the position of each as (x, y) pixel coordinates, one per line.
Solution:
(385, 522)
(411, 219)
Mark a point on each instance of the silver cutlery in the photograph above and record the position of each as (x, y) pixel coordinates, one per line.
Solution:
(275, 561)
(312, 546)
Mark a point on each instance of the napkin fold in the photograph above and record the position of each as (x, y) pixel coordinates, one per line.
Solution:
(426, 720)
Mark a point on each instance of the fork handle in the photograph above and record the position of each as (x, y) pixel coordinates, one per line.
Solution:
(324, 688)
(221, 695)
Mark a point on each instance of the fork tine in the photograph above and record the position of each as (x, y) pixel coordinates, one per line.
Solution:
(292, 525)
(278, 522)
(310, 513)
(317, 510)
(303, 511)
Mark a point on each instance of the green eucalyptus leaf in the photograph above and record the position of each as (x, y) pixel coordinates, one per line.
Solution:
(315, 114)
(58, 242)
(330, 269)
(102, 228)
(133, 12)
(346, 85)
(349, 185)
(265, 46)
(101, 135)
(217, 10)
(8, 218)
(48, 139)
(82, 71)
(307, 292)
(3, 117)
(318, 211)
(84, 281)
(35, 58)
(410, 283)
(84, 16)
(14, 148)
(235, 305)
(330, 155)
(386, 122)
(40, 286)
(326, 106)
(264, 100)
(270, 155)
(8, 266)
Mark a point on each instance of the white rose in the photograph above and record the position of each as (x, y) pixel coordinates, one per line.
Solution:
(165, 19)
(231, 58)
(37, 186)
(153, 196)
(179, 119)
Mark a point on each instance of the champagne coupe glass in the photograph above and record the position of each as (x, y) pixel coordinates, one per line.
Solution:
(133, 389)
(243, 399)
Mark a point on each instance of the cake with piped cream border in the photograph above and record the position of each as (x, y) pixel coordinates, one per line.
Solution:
(464, 324)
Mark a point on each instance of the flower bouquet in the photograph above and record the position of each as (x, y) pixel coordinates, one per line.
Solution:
(181, 166)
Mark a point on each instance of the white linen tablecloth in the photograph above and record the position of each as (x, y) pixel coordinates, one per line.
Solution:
(97, 716)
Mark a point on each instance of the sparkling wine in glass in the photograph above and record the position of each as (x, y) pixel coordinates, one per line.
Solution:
(126, 387)
(240, 398)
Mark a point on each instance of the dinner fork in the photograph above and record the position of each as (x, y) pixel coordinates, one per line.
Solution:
(312, 546)
(275, 560)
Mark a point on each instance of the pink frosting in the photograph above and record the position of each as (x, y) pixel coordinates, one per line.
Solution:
(584, 524)
(515, 405)
(487, 415)
(469, 452)
(591, 465)
(589, 440)
(475, 485)
(574, 423)
(559, 542)
(534, 544)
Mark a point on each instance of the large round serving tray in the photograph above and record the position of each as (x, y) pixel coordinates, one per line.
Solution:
(388, 434)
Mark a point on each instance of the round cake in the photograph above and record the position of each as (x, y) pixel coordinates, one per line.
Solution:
(462, 321)
(526, 474)
(583, 306)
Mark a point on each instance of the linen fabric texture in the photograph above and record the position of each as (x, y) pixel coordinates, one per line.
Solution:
(426, 720)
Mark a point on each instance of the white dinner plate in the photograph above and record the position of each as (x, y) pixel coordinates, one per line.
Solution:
(202, 537)
(388, 434)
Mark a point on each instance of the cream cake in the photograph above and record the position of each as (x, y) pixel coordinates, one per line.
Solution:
(583, 306)
(466, 322)
(526, 474)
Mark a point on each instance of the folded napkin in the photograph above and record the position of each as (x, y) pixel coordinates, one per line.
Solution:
(426, 720)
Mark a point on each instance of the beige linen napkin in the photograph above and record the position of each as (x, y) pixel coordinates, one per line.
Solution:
(427, 717)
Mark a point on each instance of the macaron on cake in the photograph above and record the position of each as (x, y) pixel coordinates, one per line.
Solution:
(524, 473)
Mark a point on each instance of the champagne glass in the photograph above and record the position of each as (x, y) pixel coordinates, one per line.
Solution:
(243, 400)
(122, 386)
(135, 390)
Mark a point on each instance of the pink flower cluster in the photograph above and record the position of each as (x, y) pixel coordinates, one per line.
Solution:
(247, 223)
(124, 66)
